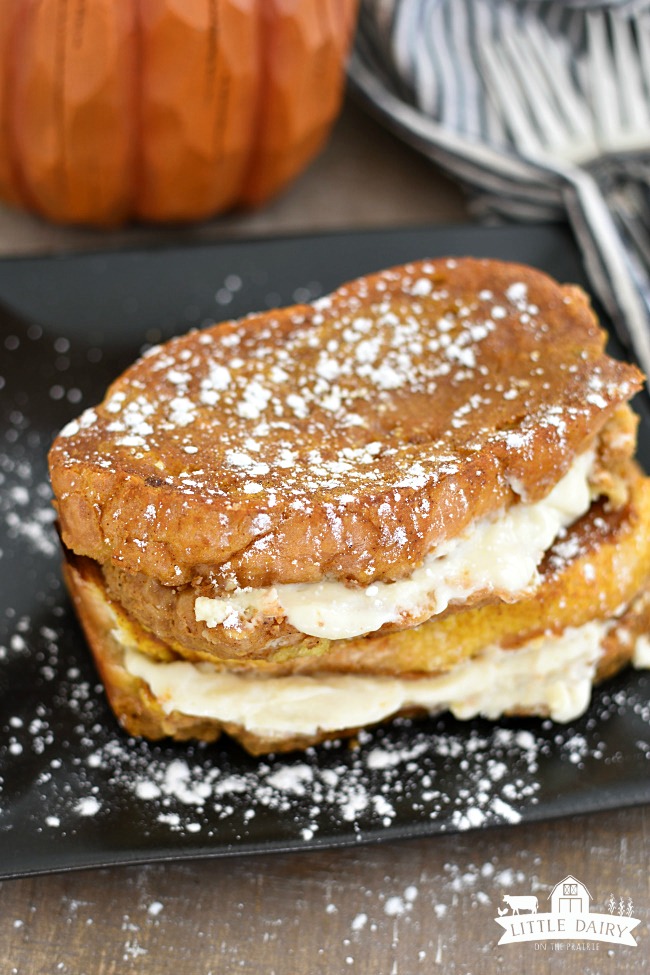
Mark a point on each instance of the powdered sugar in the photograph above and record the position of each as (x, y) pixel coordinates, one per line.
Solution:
(314, 386)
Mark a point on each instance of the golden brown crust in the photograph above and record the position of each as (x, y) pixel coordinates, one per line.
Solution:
(169, 612)
(344, 439)
(596, 567)
(140, 714)
(602, 565)
(133, 704)
(616, 444)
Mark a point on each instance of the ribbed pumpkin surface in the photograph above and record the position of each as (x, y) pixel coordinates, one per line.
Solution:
(163, 110)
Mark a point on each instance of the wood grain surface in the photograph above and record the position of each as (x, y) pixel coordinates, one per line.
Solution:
(401, 908)
(419, 906)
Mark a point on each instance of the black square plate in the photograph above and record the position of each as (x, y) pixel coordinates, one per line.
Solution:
(74, 791)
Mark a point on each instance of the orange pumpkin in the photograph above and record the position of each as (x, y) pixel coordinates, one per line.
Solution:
(163, 110)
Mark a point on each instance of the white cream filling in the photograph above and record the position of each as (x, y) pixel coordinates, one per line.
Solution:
(641, 656)
(495, 554)
(550, 675)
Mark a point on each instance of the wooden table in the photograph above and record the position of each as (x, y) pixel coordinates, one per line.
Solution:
(418, 906)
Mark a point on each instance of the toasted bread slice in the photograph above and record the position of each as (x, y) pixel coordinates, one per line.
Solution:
(581, 625)
(342, 440)
(466, 576)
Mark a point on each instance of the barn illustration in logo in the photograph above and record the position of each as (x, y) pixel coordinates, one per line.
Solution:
(569, 897)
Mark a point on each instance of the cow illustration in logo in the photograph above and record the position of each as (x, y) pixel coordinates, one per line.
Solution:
(524, 903)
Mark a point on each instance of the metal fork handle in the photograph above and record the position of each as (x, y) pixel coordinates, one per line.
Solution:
(607, 262)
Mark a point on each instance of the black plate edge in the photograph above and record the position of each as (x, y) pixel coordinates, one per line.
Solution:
(181, 244)
(600, 801)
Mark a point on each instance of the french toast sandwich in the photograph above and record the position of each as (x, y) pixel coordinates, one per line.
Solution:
(356, 499)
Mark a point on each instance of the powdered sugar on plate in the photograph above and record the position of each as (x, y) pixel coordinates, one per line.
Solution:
(86, 776)
(69, 776)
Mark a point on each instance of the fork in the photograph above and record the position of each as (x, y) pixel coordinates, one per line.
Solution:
(576, 124)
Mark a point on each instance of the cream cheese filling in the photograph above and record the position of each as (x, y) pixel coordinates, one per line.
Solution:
(641, 656)
(550, 675)
(495, 554)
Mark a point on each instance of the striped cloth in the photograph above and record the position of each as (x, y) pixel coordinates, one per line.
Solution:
(424, 67)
